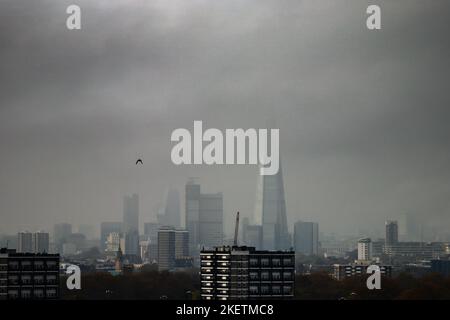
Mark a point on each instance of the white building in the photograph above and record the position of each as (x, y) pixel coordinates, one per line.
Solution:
(365, 249)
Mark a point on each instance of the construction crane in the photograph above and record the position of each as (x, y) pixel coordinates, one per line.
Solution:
(236, 229)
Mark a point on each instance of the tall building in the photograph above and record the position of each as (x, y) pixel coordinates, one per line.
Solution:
(112, 244)
(151, 231)
(131, 213)
(25, 242)
(107, 228)
(131, 243)
(243, 273)
(61, 232)
(28, 275)
(204, 217)
(270, 212)
(252, 236)
(181, 244)
(211, 220)
(365, 249)
(306, 238)
(173, 248)
(88, 231)
(171, 215)
(41, 242)
(408, 227)
(192, 211)
(391, 233)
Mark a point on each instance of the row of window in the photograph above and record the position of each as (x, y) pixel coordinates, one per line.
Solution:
(49, 293)
(270, 290)
(268, 262)
(29, 265)
(26, 279)
(274, 276)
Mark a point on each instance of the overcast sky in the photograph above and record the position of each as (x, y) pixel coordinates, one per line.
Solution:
(363, 115)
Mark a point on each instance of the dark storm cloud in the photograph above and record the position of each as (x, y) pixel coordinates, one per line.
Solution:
(363, 115)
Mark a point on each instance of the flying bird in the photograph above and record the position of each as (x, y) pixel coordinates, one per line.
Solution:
(139, 161)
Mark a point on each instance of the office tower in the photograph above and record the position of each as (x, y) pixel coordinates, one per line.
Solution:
(105, 229)
(25, 242)
(204, 217)
(365, 249)
(173, 248)
(243, 273)
(60, 233)
(151, 231)
(28, 275)
(306, 238)
(270, 212)
(170, 215)
(41, 242)
(131, 213)
(112, 243)
(131, 243)
(408, 228)
(192, 211)
(181, 244)
(252, 236)
(391, 233)
(166, 249)
(211, 220)
(88, 231)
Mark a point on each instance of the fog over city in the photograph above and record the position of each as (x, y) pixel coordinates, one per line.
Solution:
(363, 115)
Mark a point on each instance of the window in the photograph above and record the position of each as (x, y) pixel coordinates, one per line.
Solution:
(264, 289)
(26, 279)
(287, 275)
(276, 276)
(265, 276)
(25, 294)
(276, 290)
(253, 262)
(39, 265)
(276, 262)
(253, 290)
(51, 293)
(38, 293)
(265, 262)
(39, 279)
(26, 265)
(14, 265)
(13, 280)
(287, 290)
(287, 261)
(254, 276)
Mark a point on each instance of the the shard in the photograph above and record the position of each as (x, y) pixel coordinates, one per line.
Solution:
(270, 212)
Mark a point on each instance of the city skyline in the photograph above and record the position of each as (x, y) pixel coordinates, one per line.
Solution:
(362, 115)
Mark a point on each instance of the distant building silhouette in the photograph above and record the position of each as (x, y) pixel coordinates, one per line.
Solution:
(306, 238)
(270, 212)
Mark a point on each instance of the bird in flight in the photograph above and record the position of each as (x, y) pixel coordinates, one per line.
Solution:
(139, 161)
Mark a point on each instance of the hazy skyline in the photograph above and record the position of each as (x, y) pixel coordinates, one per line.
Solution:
(363, 115)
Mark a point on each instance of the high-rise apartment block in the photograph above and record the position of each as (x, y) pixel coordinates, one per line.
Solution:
(246, 273)
(28, 275)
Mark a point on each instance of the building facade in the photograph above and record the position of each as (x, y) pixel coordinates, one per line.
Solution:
(391, 233)
(28, 275)
(306, 238)
(131, 213)
(270, 212)
(235, 273)
(204, 218)
(341, 271)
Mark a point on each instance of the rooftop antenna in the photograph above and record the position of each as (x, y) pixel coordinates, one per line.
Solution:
(236, 230)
